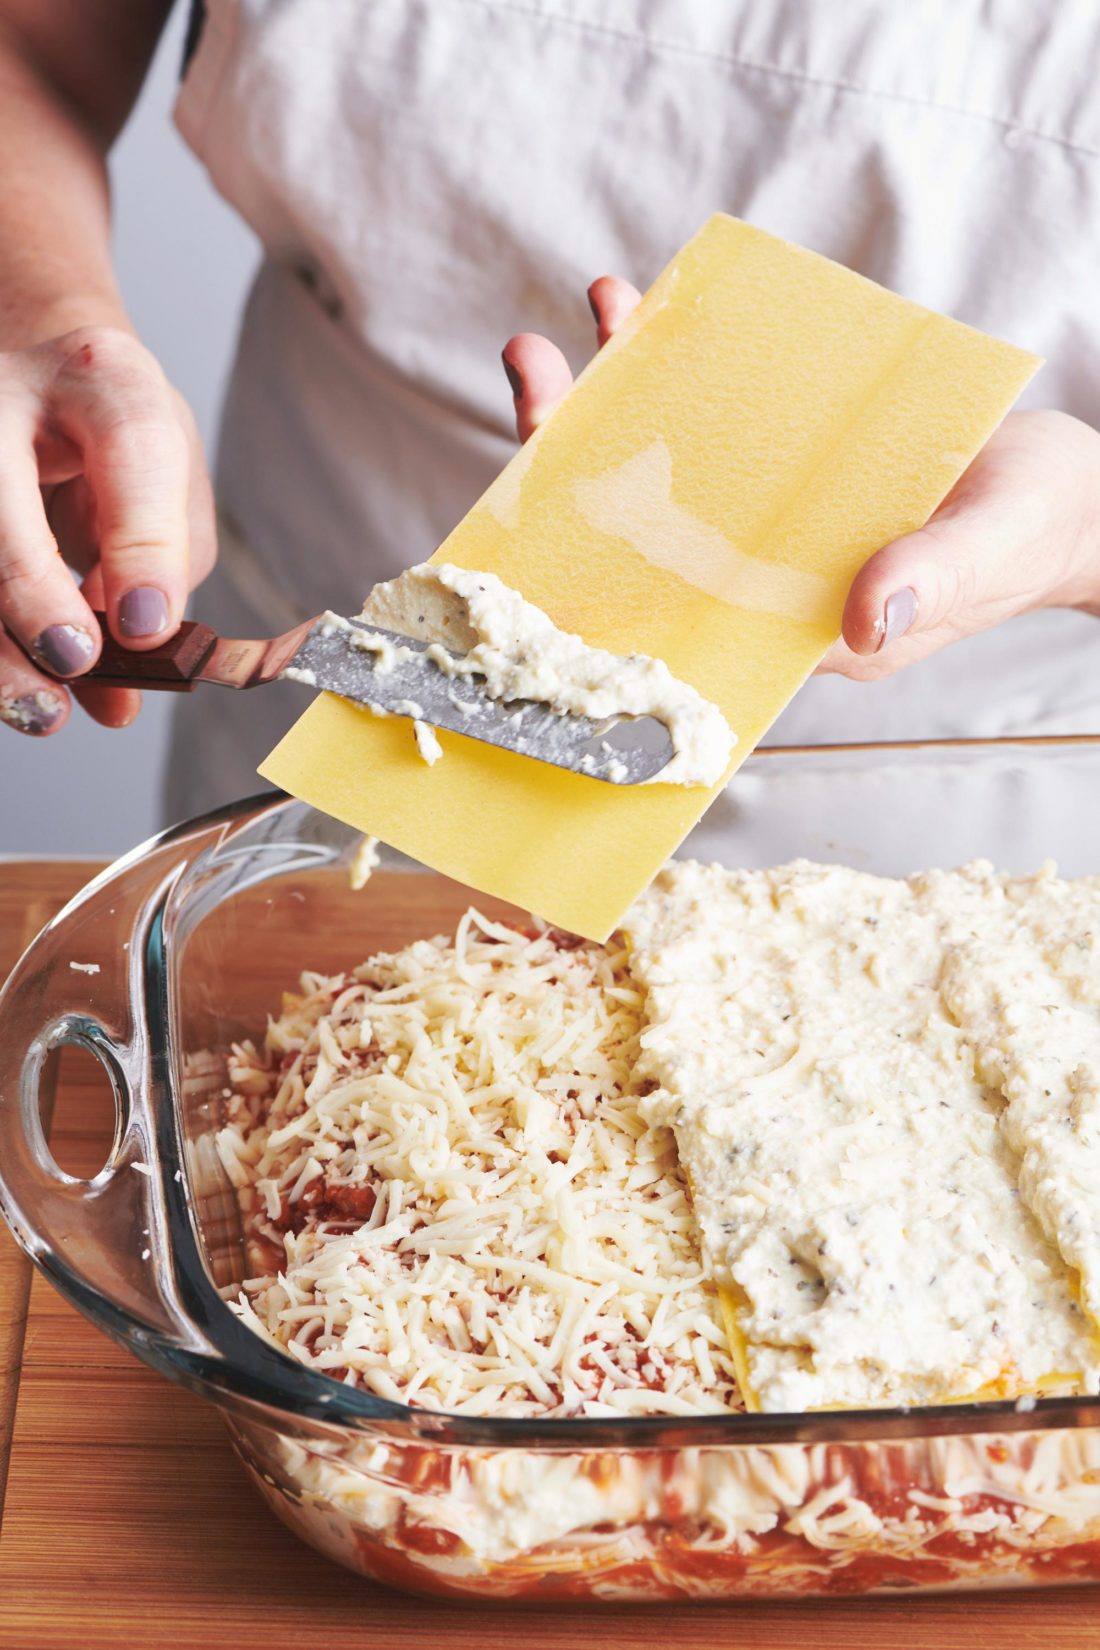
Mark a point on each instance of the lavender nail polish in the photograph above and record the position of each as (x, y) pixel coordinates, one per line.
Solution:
(142, 612)
(898, 616)
(31, 712)
(64, 649)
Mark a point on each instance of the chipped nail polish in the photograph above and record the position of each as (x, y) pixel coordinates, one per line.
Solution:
(31, 712)
(513, 376)
(64, 649)
(142, 612)
(898, 616)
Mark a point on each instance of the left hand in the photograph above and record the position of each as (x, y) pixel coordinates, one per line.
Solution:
(1019, 530)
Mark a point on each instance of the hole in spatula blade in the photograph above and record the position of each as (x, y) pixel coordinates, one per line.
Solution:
(631, 750)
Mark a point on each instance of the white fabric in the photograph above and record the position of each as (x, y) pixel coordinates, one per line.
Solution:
(429, 176)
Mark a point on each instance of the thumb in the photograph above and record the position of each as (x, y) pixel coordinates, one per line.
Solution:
(112, 398)
(1014, 534)
(937, 584)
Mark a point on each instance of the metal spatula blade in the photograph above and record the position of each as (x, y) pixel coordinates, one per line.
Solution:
(393, 673)
(405, 682)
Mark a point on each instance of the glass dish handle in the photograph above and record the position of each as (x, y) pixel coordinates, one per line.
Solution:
(103, 1240)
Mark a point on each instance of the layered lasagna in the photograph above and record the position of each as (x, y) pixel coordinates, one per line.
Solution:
(798, 1140)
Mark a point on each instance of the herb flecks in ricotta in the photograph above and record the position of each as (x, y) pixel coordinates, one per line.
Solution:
(885, 1098)
(519, 653)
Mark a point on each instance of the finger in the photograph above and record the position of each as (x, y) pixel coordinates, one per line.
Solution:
(836, 661)
(936, 586)
(884, 602)
(982, 558)
(70, 511)
(111, 707)
(29, 702)
(913, 597)
(202, 529)
(539, 375)
(39, 602)
(611, 301)
(941, 581)
(112, 397)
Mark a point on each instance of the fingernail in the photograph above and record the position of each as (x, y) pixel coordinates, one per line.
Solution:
(32, 712)
(513, 376)
(64, 649)
(142, 612)
(592, 307)
(897, 617)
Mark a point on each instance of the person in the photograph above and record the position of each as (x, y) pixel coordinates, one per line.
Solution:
(430, 176)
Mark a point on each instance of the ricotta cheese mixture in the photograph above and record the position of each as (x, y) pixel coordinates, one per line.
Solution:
(427, 743)
(520, 653)
(451, 1197)
(885, 1097)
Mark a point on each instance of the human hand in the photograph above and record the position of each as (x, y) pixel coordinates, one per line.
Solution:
(102, 469)
(1019, 530)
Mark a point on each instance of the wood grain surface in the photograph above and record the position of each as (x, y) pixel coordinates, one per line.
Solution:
(127, 1522)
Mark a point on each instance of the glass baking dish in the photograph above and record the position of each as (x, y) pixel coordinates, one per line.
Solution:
(193, 937)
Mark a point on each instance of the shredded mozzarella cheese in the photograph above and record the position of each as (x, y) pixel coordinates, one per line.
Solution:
(452, 1198)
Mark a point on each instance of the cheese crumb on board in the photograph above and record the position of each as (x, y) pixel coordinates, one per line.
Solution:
(517, 652)
(452, 1198)
(885, 1098)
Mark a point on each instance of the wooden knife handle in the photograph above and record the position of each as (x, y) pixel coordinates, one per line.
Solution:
(171, 668)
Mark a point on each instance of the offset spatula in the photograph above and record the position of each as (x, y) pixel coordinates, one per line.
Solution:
(397, 678)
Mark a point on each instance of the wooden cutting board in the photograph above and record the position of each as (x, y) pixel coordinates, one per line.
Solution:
(127, 1523)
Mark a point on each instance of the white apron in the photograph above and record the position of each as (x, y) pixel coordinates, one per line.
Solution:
(430, 176)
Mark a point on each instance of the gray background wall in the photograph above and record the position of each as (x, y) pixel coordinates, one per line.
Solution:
(184, 262)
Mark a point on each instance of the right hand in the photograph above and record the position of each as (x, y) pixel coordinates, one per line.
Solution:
(102, 469)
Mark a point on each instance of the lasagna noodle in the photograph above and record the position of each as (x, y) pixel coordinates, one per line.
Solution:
(871, 1110)
(705, 494)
